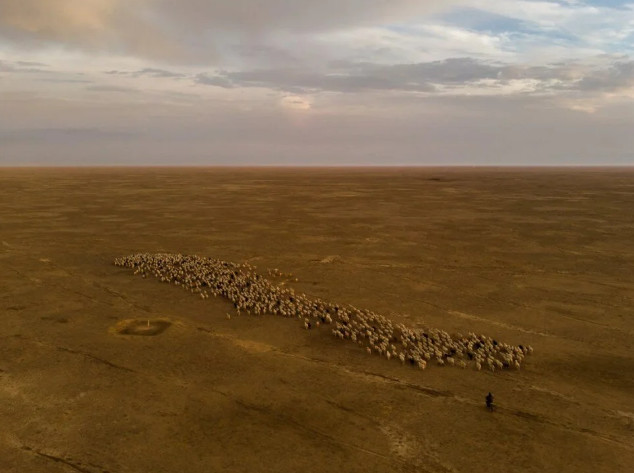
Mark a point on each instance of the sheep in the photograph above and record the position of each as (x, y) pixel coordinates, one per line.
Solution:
(253, 293)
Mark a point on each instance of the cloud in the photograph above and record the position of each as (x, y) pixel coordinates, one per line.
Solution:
(303, 81)
(112, 88)
(31, 64)
(249, 16)
(115, 26)
(187, 30)
(61, 80)
(219, 80)
(614, 4)
(158, 73)
(619, 76)
(349, 77)
(482, 20)
(295, 102)
(22, 66)
(310, 80)
(148, 72)
(430, 77)
(588, 23)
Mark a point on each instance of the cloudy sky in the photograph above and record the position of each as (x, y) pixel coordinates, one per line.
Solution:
(391, 82)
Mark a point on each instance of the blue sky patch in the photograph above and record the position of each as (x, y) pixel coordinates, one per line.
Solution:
(618, 4)
(487, 22)
(480, 20)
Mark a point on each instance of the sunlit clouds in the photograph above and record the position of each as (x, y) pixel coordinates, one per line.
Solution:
(303, 82)
(294, 102)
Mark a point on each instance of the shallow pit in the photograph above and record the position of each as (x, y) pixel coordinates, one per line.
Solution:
(142, 327)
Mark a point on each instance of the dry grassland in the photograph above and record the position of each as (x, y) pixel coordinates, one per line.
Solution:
(528, 256)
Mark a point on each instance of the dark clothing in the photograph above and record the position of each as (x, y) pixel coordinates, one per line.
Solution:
(489, 401)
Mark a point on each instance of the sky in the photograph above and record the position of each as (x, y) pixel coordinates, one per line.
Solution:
(316, 82)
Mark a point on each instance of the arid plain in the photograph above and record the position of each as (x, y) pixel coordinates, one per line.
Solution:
(528, 256)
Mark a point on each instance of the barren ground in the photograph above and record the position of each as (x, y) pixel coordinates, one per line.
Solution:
(534, 256)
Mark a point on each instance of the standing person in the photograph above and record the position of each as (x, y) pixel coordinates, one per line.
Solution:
(489, 401)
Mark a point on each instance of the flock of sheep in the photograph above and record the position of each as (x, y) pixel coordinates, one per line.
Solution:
(252, 293)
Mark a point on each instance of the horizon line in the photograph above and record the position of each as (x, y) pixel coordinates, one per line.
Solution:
(309, 166)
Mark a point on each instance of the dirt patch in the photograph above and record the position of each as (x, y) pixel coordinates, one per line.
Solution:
(146, 328)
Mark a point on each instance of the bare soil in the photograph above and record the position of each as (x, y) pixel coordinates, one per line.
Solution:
(528, 256)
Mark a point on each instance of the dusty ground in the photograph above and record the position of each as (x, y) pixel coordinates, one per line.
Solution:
(543, 257)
